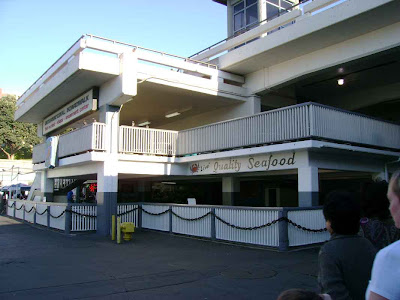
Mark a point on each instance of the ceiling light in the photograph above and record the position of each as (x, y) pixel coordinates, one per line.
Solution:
(168, 182)
(340, 81)
(144, 123)
(174, 114)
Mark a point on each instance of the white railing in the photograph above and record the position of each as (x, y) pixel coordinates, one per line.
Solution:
(289, 123)
(10, 208)
(41, 214)
(312, 219)
(154, 217)
(80, 221)
(60, 216)
(272, 25)
(248, 217)
(335, 124)
(19, 209)
(87, 138)
(57, 215)
(129, 213)
(148, 141)
(307, 120)
(201, 227)
(262, 226)
(48, 214)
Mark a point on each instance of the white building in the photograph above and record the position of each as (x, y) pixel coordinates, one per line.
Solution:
(299, 100)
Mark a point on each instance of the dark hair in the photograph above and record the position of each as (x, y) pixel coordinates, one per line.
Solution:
(298, 294)
(374, 201)
(343, 212)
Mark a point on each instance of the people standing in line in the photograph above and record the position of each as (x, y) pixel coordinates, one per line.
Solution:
(345, 261)
(377, 224)
(385, 277)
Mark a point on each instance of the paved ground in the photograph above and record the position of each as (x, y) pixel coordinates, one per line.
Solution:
(38, 263)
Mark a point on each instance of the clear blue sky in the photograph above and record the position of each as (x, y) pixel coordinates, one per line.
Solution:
(34, 34)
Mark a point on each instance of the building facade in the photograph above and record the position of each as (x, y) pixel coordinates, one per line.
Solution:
(300, 99)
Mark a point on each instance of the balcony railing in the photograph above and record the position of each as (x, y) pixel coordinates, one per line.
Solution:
(147, 141)
(303, 121)
(292, 123)
(88, 138)
(270, 25)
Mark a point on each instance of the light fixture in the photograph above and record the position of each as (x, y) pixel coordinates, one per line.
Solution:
(174, 114)
(168, 182)
(144, 123)
(340, 81)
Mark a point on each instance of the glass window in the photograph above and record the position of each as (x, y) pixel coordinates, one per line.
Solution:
(251, 15)
(250, 2)
(245, 13)
(238, 7)
(238, 22)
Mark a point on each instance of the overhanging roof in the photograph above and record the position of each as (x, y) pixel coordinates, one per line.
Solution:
(221, 1)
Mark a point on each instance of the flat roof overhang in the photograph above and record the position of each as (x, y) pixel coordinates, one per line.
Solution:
(154, 101)
(78, 74)
(345, 21)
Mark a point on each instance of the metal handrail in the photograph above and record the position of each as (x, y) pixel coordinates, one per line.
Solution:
(187, 59)
(252, 26)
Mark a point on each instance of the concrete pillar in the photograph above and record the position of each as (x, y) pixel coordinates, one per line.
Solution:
(254, 103)
(107, 175)
(110, 116)
(230, 190)
(308, 186)
(46, 186)
(107, 192)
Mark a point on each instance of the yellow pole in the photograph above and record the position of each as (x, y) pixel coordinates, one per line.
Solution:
(119, 230)
(113, 227)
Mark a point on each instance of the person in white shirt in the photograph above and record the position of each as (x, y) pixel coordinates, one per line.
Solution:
(385, 276)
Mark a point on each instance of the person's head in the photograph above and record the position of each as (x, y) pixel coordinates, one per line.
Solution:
(374, 201)
(342, 213)
(394, 198)
(298, 294)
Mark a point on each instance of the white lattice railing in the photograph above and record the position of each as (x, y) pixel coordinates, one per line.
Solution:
(148, 141)
(81, 220)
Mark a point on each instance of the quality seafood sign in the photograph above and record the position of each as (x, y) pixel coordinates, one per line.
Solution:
(245, 164)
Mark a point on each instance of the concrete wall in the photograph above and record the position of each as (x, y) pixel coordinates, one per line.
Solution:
(250, 107)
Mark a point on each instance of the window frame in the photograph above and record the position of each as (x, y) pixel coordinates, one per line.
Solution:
(244, 12)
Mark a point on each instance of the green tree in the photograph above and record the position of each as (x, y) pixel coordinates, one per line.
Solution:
(16, 139)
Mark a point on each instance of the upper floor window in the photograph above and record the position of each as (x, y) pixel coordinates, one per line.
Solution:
(277, 7)
(245, 14)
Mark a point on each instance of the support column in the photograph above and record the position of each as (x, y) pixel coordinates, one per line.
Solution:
(107, 192)
(308, 186)
(46, 186)
(107, 175)
(230, 190)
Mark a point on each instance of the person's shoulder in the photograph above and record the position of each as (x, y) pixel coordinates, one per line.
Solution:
(391, 251)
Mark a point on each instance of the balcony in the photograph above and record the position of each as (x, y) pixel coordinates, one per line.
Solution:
(293, 123)
(88, 138)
